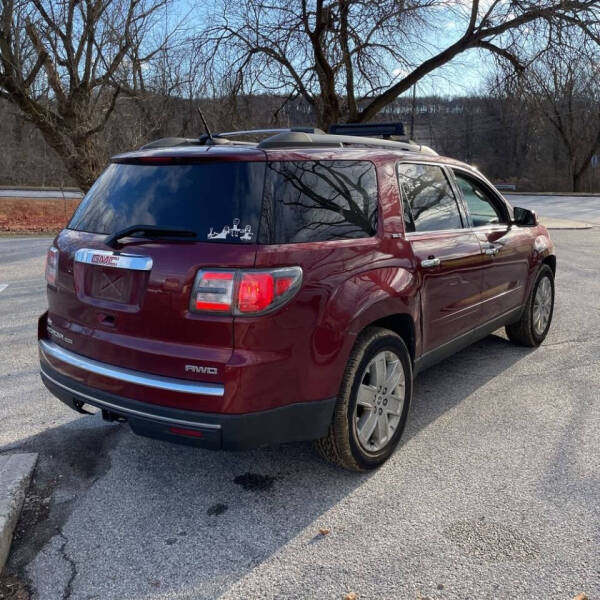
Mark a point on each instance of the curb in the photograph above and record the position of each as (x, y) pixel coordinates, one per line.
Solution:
(573, 194)
(568, 227)
(553, 223)
(15, 475)
(37, 188)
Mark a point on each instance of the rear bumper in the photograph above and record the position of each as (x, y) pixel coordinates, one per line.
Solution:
(290, 423)
(51, 351)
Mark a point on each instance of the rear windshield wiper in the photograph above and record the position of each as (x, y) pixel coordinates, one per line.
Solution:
(149, 231)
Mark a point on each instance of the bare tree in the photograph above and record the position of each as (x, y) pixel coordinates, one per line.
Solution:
(349, 58)
(562, 87)
(65, 63)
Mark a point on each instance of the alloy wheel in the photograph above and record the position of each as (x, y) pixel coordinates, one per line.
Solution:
(379, 402)
(542, 306)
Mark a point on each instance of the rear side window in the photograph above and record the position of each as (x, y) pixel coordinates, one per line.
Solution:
(315, 201)
(220, 202)
(428, 201)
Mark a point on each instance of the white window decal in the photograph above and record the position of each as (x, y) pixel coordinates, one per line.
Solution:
(235, 231)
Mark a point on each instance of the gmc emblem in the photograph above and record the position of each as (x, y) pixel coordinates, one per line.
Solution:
(107, 260)
(201, 369)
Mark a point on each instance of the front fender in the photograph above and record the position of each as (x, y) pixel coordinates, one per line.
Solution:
(543, 249)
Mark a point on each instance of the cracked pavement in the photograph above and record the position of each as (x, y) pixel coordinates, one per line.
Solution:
(495, 492)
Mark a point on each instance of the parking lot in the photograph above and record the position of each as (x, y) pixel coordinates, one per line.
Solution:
(495, 492)
(584, 209)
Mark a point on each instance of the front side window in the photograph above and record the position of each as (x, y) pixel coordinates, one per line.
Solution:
(428, 201)
(314, 201)
(481, 207)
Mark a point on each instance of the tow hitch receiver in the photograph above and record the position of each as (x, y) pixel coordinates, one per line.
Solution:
(78, 406)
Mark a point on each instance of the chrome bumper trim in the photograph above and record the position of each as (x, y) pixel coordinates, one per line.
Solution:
(130, 376)
(128, 411)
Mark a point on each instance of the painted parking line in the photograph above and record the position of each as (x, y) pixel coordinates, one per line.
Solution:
(3, 286)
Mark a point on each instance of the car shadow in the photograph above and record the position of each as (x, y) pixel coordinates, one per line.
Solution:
(446, 384)
(170, 515)
(568, 475)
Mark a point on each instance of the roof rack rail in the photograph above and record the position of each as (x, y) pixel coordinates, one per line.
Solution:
(222, 139)
(228, 134)
(298, 139)
(203, 140)
(305, 137)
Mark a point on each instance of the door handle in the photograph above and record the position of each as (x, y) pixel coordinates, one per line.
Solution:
(428, 263)
(491, 250)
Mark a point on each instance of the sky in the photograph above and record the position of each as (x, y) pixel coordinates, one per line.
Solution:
(465, 75)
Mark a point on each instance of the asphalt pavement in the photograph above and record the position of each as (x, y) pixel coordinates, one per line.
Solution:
(495, 492)
(572, 208)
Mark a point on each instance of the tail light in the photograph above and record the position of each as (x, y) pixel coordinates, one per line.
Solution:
(213, 290)
(51, 265)
(244, 292)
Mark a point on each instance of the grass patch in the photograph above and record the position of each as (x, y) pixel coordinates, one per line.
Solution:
(35, 215)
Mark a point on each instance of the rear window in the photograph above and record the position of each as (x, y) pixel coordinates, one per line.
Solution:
(220, 202)
(312, 201)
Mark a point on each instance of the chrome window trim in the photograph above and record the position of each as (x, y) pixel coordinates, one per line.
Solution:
(493, 227)
(129, 411)
(437, 232)
(133, 262)
(130, 376)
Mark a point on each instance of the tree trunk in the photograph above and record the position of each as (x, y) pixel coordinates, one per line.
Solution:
(578, 180)
(327, 113)
(84, 165)
(572, 177)
(79, 155)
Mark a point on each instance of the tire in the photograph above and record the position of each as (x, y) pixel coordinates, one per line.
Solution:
(529, 330)
(347, 443)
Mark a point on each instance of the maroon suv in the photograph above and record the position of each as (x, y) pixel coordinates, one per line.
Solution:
(229, 294)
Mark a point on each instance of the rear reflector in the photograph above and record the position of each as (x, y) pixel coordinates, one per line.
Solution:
(248, 292)
(186, 432)
(51, 265)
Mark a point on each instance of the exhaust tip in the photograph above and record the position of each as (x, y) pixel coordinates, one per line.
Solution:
(112, 417)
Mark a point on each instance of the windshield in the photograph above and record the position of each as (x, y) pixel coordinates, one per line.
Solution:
(217, 201)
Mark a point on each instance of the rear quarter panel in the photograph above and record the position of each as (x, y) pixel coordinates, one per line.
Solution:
(301, 350)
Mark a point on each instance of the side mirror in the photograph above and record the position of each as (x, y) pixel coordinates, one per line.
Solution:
(525, 217)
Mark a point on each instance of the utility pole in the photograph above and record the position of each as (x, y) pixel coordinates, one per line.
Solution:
(412, 112)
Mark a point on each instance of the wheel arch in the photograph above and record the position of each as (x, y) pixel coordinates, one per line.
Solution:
(550, 260)
(403, 325)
